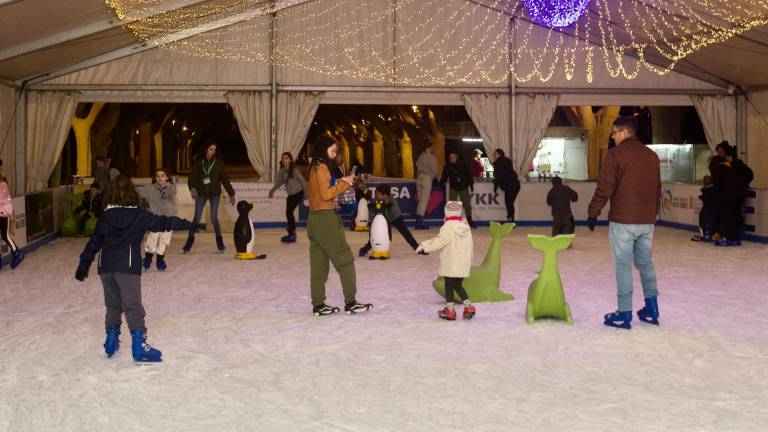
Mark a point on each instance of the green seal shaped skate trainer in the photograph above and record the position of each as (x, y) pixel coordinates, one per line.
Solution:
(546, 297)
(482, 285)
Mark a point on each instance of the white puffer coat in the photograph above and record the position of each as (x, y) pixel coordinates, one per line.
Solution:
(455, 245)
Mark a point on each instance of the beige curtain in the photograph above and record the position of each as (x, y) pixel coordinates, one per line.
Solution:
(490, 114)
(49, 118)
(532, 116)
(295, 112)
(252, 113)
(718, 116)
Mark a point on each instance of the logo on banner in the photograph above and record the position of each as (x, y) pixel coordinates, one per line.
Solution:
(666, 201)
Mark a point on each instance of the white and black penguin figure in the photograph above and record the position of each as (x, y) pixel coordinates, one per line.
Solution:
(379, 232)
(361, 220)
(244, 235)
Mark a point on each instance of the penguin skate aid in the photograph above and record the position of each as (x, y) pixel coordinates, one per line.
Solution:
(327, 241)
(244, 235)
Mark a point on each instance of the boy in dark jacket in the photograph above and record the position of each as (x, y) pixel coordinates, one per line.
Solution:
(118, 238)
(560, 198)
(708, 212)
(456, 172)
(393, 216)
(91, 206)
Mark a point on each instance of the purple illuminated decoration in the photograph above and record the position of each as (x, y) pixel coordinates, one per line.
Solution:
(556, 13)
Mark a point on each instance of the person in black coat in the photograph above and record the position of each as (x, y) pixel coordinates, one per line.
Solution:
(708, 212)
(505, 177)
(118, 238)
(91, 206)
(731, 177)
(560, 198)
(457, 173)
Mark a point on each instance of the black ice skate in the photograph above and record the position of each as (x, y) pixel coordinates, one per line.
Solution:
(324, 309)
(354, 308)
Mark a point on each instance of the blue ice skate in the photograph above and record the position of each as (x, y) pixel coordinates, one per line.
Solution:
(147, 261)
(650, 313)
(619, 319)
(142, 351)
(112, 343)
(17, 259)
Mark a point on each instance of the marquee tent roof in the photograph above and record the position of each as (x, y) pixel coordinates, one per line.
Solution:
(43, 39)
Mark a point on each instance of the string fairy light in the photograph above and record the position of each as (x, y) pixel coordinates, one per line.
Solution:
(448, 42)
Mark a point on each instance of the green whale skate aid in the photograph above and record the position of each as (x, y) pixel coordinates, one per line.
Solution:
(546, 297)
(482, 285)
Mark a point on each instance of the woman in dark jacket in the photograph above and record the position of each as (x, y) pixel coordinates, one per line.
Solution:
(456, 173)
(205, 181)
(117, 238)
(505, 177)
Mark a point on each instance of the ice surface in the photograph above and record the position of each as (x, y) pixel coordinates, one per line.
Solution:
(243, 352)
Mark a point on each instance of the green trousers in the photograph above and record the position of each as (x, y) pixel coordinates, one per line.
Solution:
(327, 243)
(464, 198)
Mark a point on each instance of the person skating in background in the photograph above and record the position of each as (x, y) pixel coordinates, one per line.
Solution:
(732, 177)
(339, 170)
(708, 213)
(161, 197)
(454, 241)
(6, 220)
(91, 206)
(477, 168)
(295, 185)
(630, 179)
(456, 173)
(326, 232)
(393, 216)
(426, 173)
(117, 239)
(559, 198)
(505, 177)
(101, 170)
(361, 191)
(205, 181)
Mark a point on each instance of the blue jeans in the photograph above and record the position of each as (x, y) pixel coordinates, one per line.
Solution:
(632, 244)
(199, 206)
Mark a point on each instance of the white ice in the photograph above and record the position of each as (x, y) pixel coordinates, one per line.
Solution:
(243, 352)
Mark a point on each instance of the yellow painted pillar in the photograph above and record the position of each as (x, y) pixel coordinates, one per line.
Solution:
(158, 149)
(82, 128)
(378, 154)
(406, 152)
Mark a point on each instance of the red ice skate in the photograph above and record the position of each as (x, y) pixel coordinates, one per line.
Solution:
(469, 312)
(447, 313)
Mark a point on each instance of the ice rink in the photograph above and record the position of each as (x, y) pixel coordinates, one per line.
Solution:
(242, 351)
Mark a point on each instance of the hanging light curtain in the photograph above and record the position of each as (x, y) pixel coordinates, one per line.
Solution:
(295, 112)
(49, 118)
(718, 116)
(490, 114)
(532, 116)
(252, 114)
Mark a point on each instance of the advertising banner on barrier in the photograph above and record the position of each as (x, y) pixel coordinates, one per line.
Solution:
(680, 203)
(265, 209)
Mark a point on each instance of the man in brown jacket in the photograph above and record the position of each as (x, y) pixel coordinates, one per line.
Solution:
(631, 181)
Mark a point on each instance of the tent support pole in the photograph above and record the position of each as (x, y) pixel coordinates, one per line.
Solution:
(272, 97)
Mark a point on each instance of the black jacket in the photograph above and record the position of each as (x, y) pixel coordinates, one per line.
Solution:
(458, 175)
(217, 174)
(118, 236)
(560, 197)
(504, 175)
(91, 204)
(708, 197)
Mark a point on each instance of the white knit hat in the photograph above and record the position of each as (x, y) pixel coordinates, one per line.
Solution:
(453, 209)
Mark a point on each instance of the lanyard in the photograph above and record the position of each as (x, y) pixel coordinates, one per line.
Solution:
(208, 171)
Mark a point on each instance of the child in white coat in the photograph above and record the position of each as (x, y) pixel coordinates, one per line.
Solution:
(455, 245)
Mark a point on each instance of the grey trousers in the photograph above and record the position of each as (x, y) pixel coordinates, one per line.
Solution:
(122, 294)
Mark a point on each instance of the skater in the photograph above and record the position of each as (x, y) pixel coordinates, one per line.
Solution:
(505, 177)
(161, 196)
(732, 182)
(363, 198)
(457, 174)
(630, 179)
(205, 181)
(326, 232)
(117, 239)
(295, 185)
(6, 221)
(559, 198)
(455, 245)
(477, 167)
(393, 216)
(101, 172)
(426, 173)
(708, 212)
(90, 207)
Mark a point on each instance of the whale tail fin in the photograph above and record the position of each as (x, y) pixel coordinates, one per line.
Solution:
(546, 243)
(499, 231)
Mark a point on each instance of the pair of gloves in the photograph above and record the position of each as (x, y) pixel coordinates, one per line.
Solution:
(193, 192)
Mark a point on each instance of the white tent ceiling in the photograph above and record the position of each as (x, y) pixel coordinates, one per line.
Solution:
(40, 37)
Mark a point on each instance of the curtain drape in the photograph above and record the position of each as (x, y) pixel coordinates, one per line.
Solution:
(252, 114)
(490, 114)
(533, 113)
(295, 112)
(49, 118)
(718, 116)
